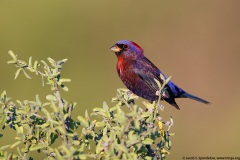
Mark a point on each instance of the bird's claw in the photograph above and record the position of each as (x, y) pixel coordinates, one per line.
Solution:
(129, 93)
(157, 93)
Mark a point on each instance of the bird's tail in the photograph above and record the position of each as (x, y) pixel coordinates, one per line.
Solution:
(187, 95)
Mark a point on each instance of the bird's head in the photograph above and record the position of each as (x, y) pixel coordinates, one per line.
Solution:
(127, 49)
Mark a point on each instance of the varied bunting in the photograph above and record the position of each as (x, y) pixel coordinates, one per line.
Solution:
(138, 74)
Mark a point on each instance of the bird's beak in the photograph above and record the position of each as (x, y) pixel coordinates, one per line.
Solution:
(115, 48)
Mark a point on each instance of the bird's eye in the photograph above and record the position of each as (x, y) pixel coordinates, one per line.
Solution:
(125, 46)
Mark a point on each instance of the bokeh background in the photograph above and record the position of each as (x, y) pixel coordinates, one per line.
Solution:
(196, 42)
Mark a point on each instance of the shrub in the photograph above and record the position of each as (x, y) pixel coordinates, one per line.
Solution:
(107, 133)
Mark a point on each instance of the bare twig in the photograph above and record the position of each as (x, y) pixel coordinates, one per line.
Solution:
(129, 107)
(57, 93)
(27, 145)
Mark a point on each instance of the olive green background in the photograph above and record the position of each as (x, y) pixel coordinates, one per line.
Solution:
(196, 42)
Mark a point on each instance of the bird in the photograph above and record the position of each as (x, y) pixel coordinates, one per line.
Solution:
(139, 75)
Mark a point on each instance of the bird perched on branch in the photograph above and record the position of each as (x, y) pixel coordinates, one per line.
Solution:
(139, 74)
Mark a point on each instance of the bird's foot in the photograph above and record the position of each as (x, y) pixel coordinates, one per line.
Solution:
(157, 93)
(129, 93)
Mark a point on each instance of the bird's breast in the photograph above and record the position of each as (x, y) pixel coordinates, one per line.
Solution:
(125, 69)
(132, 80)
(127, 74)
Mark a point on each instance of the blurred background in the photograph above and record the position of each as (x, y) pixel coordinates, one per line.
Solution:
(196, 42)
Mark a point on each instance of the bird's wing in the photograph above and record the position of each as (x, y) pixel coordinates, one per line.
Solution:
(147, 71)
(171, 90)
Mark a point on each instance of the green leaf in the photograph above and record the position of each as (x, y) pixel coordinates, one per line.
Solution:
(15, 144)
(38, 100)
(83, 156)
(105, 130)
(43, 126)
(162, 77)
(62, 80)
(148, 158)
(26, 74)
(172, 134)
(44, 63)
(27, 127)
(164, 151)
(12, 55)
(35, 65)
(21, 63)
(36, 147)
(97, 109)
(76, 143)
(24, 150)
(19, 152)
(98, 147)
(83, 131)
(2, 120)
(12, 62)
(64, 87)
(62, 61)
(168, 79)
(122, 148)
(137, 124)
(148, 105)
(3, 95)
(115, 99)
(83, 121)
(53, 137)
(100, 124)
(86, 115)
(149, 119)
(51, 98)
(124, 156)
(4, 147)
(146, 114)
(54, 107)
(30, 62)
(105, 106)
(55, 122)
(59, 156)
(17, 73)
(81, 148)
(147, 141)
(61, 130)
(50, 60)
(160, 125)
(158, 83)
(132, 142)
(168, 144)
(46, 113)
(66, 150)
(112, 108)
(171, 120)
(105, 114)
(19, 129)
